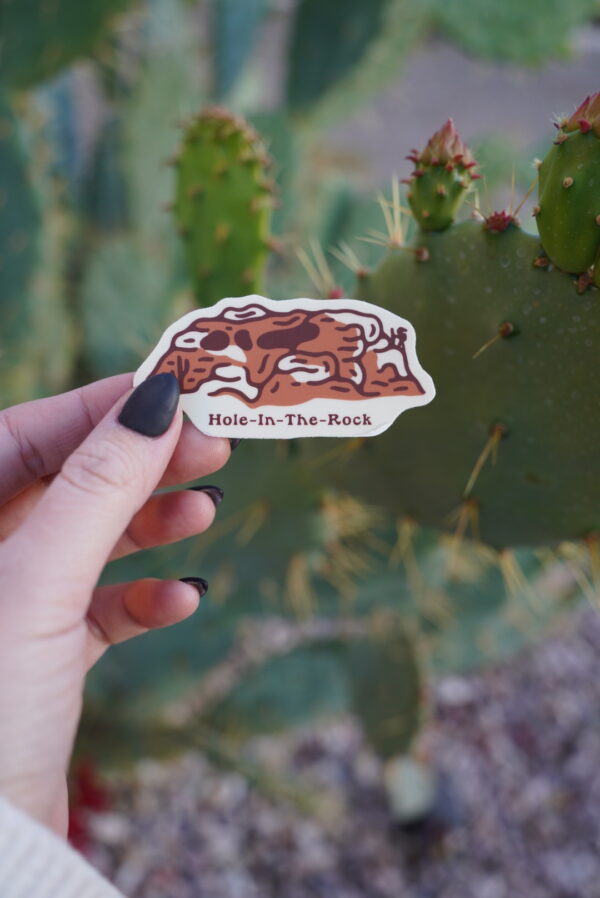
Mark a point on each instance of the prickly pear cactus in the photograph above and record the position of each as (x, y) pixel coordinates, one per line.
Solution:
(442, 177)
(224, 199)
(507, 451)
(39, 38)
(568, 213)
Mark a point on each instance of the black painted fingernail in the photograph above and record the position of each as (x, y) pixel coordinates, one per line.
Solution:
(213, 492)
(200, 584)
(235, 443)
(152, 405)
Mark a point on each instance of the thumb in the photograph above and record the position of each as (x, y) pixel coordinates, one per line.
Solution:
(58, 554)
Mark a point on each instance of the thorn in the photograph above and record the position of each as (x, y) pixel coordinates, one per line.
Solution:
(425, 214)
(497, 433)
(567, 182)
(541, 262)
(183, 231)
(560, 139)
(597, 219)
(537, 163)
(440, 190)
(248, 276)
(467, 514)
(506, 329)
(422, 254)
(536, 211)
(195, 191)
(168, 207)
(172, 161)
(515, 580)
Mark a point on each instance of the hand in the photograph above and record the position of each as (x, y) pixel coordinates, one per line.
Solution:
(75, 492)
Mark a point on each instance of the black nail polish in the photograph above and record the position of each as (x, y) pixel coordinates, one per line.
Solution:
(200, 584)
(152, 405)
(213, 492)
(235, 442)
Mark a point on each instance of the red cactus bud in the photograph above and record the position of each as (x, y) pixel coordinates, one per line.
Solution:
(335, 293)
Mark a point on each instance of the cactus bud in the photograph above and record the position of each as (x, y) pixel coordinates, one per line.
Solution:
(442, 177)
(569, 205)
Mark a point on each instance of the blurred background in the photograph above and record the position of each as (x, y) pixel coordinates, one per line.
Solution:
(342, 717)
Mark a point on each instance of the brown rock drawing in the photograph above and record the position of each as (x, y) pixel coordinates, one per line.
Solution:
(266, 357)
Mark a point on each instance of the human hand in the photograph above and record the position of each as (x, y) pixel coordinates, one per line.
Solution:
(75, 492)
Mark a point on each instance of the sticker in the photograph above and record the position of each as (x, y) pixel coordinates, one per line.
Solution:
(262, 368)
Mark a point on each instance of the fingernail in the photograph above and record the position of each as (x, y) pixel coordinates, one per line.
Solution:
(152, 406)
(200, 584)
(213, 492)
(235, 443)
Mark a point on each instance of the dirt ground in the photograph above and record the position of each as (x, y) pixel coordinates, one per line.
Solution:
(517, 814)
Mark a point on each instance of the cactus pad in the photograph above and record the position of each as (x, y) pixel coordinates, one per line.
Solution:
(223, 205)
(442, 177)
(568, 214)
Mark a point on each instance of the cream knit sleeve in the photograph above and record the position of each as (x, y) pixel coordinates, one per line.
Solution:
(35, 863)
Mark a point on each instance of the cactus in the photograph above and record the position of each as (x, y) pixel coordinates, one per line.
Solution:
(511, 31)
(442, 177)
(235, 26)
(223, 204)
(36, 336)
(38, 39)
(568, 213)
(341, 54)
(511, 345)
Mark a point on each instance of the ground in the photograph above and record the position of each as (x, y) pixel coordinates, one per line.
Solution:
(517, 750)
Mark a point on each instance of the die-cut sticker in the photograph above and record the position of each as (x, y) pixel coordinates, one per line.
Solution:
(261, 368)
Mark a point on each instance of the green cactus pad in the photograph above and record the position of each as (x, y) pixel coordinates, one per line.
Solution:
(39, 38)
(224, 199)
(537, 379)
(568, 216)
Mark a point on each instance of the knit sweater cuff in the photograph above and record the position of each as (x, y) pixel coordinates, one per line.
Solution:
(35, 863)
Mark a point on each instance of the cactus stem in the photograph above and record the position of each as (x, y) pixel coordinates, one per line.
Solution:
(221, 168)
(490, 449)
(506, 329)
(567, 182)
(196, 191)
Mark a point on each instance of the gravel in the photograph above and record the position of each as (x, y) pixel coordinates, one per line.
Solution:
(516, 752)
